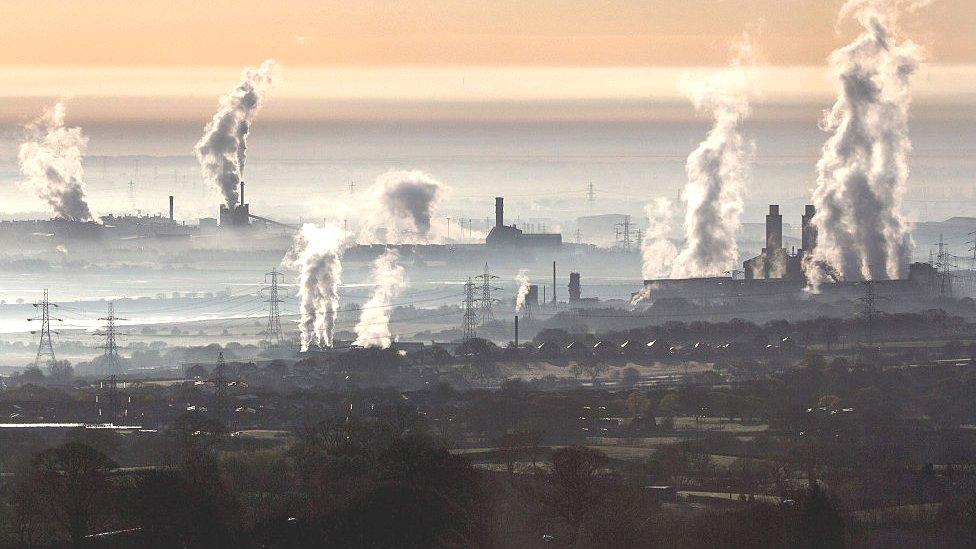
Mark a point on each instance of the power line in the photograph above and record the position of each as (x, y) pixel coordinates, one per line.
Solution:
(44, 347)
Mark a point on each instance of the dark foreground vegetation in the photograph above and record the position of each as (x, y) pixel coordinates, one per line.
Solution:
(829, 454)
(789, 435)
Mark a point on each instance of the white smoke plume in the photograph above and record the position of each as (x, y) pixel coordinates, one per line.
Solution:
(716, 173)
(862, 173)
(222, 151)
(373, 329)
(523, 289)
(317, 253)
(771, 264)
(50, 159)
(403, 203)
(657, 250)
(644, 293)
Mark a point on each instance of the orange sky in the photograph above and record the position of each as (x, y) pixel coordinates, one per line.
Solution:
(578, 58)
(458, 32)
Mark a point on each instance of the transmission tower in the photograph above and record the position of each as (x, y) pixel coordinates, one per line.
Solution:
(111, 361)
(275, 337)
(468, 312)
(579, 236)
(486, 301)
(972, 263)
(624, 234)
(869, 309)
(590, 195)
(111, 404)
(944, 266)
(45, 348)
(220, 382)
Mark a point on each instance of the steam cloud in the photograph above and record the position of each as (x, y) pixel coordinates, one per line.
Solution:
(863, 169)
(404, 204)
(657, 251)
(373, 329)
(50, 159)
(523, 289)
(316, 254)
(222, 151)
(716, 172)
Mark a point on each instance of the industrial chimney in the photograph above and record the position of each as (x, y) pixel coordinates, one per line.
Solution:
(171, 207)
(242, 193)
(553, 282)
(774, 229)
(574, 287)
(808, 236)
(499, 211)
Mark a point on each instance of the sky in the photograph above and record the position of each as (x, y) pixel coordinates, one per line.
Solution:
(149, 60)
(504, 94)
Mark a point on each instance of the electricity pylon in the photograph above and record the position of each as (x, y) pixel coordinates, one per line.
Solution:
(486, 300)
(110, 403)
(45, 347)
(468, 312)
(275, 337)
(111, 361)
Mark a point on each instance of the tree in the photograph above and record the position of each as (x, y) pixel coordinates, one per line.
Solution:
(573, 488)
(75, 476)
(817, 522)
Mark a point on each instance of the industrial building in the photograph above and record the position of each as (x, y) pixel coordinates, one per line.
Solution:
(775, 261)
(510, 236)
(777, 273)
(238, 215)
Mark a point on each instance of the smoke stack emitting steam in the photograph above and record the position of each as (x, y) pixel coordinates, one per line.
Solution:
(523, 290)
(373, 329)
(657, 251)
(863, 168)
(716, 172)
(50, 158)
(222, 151)
(316, 253)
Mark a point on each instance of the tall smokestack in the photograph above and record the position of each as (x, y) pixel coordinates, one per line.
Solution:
(171, 207)
(774, 228)
(499, 211)
(516, 333)
(553, 282)
(242, 193)
(808, 234)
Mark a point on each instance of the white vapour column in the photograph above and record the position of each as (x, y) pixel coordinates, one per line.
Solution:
(657, 250)
(373, 329)
(863, 169)
(403, 203)
(222, 151)
(716, 172)
(316, 253)
(523, 289)
(50, 159)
